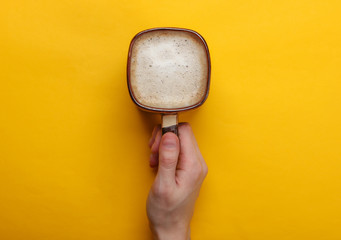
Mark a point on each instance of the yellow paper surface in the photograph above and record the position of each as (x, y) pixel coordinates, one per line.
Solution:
(74, 148)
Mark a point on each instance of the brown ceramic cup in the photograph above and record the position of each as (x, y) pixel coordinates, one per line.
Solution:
(168, 71)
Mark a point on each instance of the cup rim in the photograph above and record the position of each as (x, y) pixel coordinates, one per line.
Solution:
(168, 110)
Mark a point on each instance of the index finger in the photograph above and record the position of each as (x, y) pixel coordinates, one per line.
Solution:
(189, 150)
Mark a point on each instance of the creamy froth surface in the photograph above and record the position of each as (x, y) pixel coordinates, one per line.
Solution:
(168, 69)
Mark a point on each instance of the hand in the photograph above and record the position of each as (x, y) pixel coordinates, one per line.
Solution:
(180, 172)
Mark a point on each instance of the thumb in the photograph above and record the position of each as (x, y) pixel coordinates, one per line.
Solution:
(168, 158)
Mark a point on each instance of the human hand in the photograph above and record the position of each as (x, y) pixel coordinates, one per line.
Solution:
(181, 170)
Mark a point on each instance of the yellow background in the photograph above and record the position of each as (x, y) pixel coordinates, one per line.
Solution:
(73, 147)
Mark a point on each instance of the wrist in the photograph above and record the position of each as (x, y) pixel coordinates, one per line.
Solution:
(171, 234)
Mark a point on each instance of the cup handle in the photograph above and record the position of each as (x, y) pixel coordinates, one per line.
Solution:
(170, 123)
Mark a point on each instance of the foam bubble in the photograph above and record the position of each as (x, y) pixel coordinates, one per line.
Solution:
(168, 69)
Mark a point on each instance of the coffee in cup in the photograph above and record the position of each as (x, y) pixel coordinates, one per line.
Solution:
(168, 71)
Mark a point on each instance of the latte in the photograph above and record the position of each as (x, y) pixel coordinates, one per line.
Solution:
(168, 69)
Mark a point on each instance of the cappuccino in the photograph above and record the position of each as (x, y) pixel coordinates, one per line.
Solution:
(168, 69)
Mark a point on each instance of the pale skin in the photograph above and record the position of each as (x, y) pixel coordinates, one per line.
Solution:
(181, 169)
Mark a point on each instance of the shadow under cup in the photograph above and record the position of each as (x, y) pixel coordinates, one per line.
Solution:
(168, 71)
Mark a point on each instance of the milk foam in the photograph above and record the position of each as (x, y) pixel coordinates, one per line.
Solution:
(168, 69)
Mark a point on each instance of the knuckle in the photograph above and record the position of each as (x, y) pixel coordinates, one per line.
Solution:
(156, 144)
(204, 166)
(205, 170)
(168, 163)
(154, 148)
(197, 171)
(168, 159)
(162, 191)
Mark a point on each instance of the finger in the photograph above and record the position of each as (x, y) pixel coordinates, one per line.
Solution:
(168, 158)
(154, 156)
(188, 145)
(191, 160)
(153, 162)
(152, 138)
